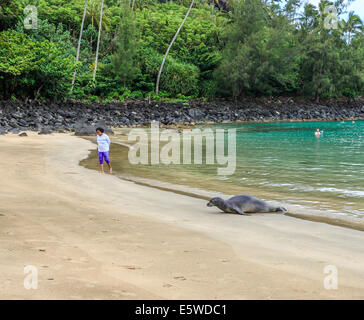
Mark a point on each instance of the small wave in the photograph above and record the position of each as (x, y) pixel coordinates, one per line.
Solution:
(352, 193)
(352, 164)
(222, 178)
(281, 184)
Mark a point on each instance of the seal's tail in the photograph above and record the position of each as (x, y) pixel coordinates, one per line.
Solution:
(281, 209)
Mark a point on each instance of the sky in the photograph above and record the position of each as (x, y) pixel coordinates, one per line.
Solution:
(357, 7)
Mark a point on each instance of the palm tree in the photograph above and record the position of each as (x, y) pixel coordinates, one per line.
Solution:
(353, 25)
(79, 42)
(98, 39)
(308, 18)
(323, 5)
(93, 16)
(92, 11)
(329, 15)
(291, 7)
(170, 46)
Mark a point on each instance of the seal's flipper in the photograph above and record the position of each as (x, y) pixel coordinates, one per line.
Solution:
(238, 211)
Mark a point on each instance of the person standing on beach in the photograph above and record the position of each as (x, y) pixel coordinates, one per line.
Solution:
(103, 146)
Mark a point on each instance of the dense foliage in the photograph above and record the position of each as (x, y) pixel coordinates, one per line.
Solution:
(33, 67)
(254, 48)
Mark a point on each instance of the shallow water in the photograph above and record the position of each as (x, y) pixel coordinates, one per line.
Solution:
(284, 162)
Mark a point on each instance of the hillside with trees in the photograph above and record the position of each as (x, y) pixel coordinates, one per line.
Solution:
(234, 49)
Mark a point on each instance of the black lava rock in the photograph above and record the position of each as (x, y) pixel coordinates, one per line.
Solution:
(45, 130)
(84, 118)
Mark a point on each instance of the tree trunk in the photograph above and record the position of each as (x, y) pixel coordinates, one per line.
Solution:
(37, 94)
(169, 48)
(98, 38)
(79, 43)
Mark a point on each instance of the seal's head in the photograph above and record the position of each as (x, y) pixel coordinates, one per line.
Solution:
(215, 202)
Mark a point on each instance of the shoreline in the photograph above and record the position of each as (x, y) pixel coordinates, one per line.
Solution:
(319, 219)
(74, 116)
(137, 242)
(187, 190)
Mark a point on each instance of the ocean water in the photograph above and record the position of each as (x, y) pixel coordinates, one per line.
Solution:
(287, 159)
(283, 162)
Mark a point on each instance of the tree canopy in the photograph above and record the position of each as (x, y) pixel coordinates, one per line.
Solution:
(231, 49)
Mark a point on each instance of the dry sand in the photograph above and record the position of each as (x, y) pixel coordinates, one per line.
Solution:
(95, 236)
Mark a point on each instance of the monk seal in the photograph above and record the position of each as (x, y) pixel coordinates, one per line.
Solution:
(243, 204)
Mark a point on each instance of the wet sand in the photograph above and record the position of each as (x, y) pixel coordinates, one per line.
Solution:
(196, 184)
(95, 236)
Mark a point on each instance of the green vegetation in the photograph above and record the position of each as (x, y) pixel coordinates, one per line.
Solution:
(33, 67)
(258, 48)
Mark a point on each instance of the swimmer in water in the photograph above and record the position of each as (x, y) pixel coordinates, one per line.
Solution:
(317, 133)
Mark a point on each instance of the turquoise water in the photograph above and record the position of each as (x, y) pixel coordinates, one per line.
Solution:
(287, 159)
(282, 162)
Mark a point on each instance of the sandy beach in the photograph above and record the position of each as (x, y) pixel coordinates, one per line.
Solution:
(94, 236)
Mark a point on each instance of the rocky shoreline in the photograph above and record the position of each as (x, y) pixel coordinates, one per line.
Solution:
(80, 117)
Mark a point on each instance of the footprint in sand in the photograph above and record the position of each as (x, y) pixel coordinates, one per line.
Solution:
(131, 267)
(182, 278)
